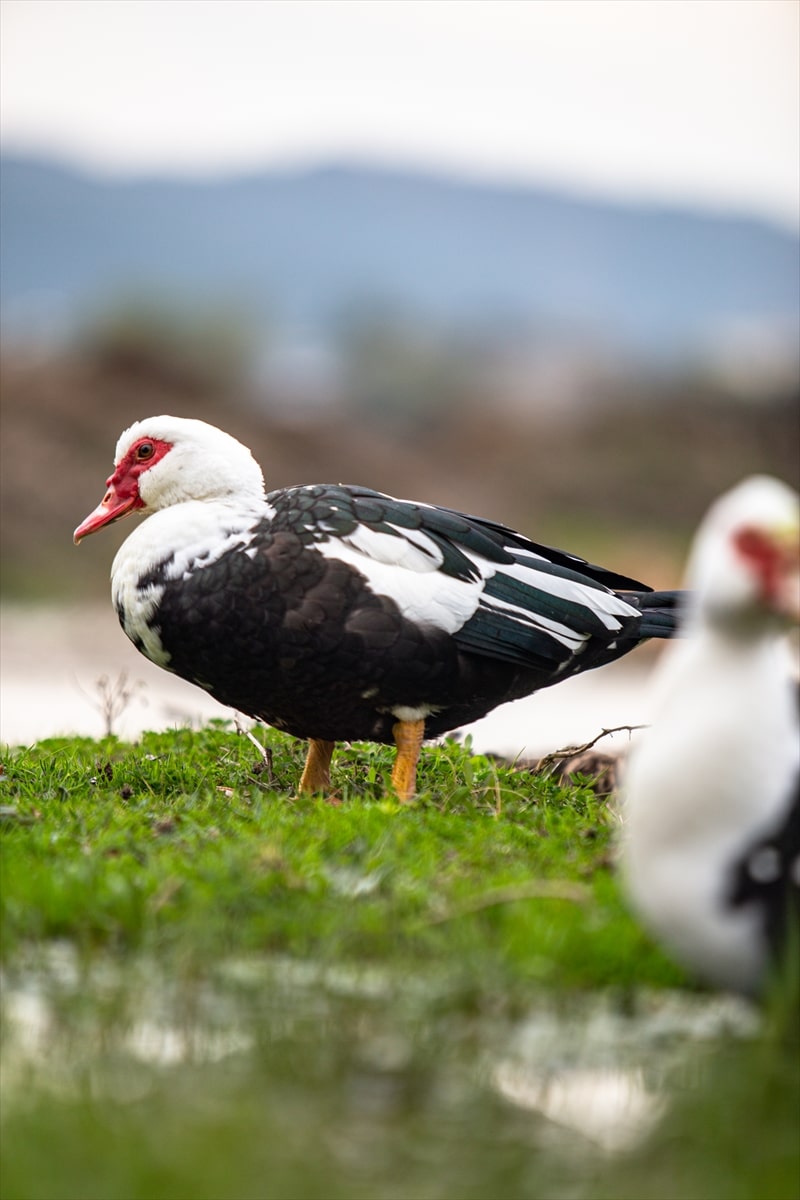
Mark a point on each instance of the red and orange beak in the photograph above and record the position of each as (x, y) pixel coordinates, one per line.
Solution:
(110, 509)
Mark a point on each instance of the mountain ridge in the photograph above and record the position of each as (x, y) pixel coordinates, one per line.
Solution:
(305, 247)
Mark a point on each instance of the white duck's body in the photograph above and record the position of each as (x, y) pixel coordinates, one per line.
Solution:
(710, 794)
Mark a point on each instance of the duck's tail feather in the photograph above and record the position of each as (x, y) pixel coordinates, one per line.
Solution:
(662, 612)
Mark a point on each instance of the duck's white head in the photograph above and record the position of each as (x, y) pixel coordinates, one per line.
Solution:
(163, 461)
(744, 567)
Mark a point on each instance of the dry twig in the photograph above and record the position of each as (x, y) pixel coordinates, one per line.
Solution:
(539, 889)
(550, 761)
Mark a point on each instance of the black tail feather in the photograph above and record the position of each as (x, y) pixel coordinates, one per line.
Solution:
(662, 612)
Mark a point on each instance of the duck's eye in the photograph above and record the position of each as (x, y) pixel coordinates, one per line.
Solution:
(144, 451)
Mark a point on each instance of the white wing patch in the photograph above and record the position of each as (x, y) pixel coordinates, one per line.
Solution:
(412, 549)
(425, 596)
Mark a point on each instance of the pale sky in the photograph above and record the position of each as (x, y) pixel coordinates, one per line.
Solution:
(674, 100)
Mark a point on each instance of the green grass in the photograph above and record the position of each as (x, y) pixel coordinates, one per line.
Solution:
(180, 845)
(370, 961)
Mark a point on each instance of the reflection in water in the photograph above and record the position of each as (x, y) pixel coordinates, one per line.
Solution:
(612, 1108)
(605, 1074)
(582, 1065)
(351, 1083)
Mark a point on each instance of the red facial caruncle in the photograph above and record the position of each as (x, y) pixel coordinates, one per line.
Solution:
(771, 559)
(122, 496)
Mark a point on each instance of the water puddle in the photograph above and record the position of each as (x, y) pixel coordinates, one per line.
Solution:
(375, 1046)
(604, 1074)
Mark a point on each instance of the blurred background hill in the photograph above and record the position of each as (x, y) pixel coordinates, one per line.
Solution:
(301, 253)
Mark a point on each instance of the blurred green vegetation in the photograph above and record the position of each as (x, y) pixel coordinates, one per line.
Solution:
(191, 347)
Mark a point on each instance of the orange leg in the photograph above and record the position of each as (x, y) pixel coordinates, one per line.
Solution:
(316, 775)
(408, 737)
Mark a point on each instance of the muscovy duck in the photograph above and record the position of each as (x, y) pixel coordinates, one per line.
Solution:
(338, 613)
(711, 815)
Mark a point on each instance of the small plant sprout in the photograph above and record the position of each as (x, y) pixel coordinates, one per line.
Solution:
(113, 697)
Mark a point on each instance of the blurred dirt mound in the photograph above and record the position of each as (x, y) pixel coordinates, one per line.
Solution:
(625, 481)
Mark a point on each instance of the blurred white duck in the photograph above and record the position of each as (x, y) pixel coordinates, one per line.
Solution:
(711, 843)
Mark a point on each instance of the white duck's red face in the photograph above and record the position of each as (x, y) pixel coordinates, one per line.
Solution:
(123, 496)
(164, 461)
(772, 559)
(745, 565)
